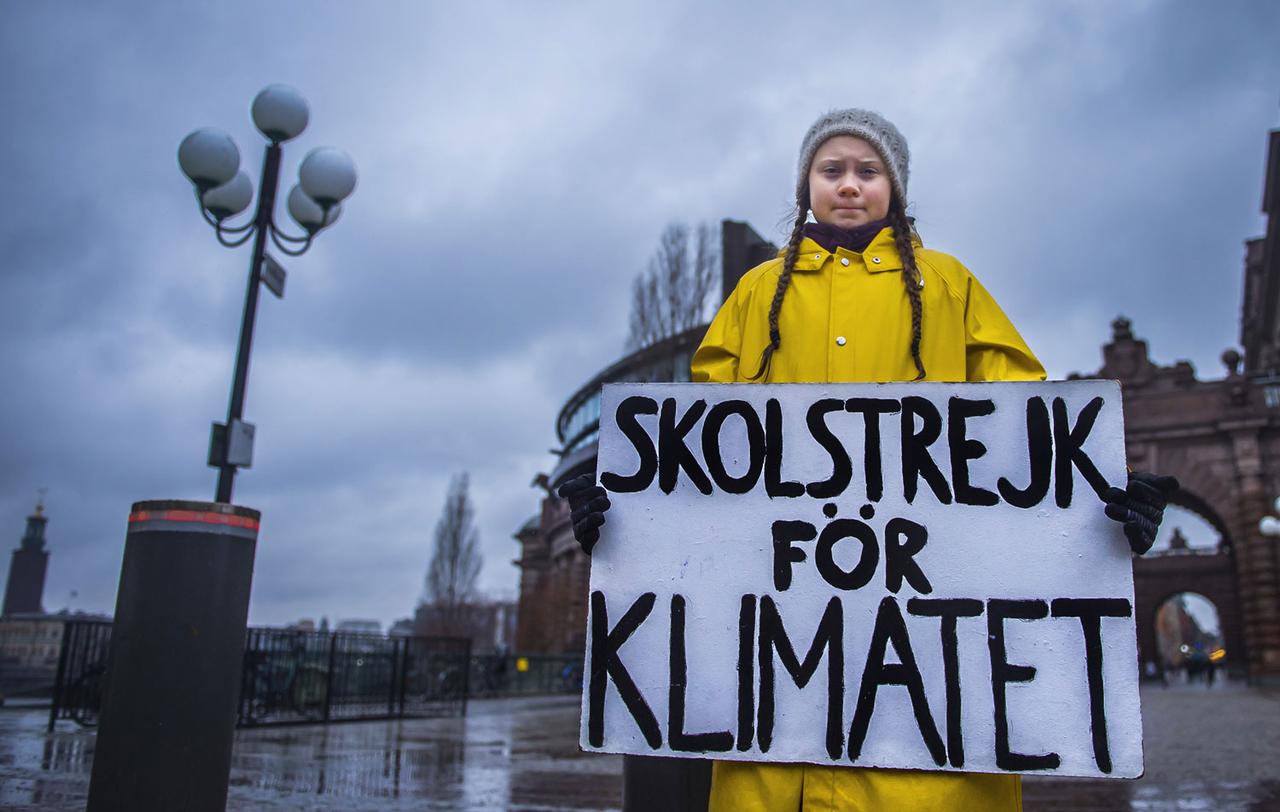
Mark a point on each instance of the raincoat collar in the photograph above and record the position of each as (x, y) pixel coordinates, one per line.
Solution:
(880, 255)
(832, 237)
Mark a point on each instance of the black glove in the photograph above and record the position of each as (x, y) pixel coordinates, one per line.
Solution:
(1140, 507)
(587, 504)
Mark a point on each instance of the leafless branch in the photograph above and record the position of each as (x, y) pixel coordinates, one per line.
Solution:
(455, 556)
(671, 295)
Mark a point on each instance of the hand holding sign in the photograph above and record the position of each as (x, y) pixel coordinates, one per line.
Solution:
(1140, 507)
(587, 504)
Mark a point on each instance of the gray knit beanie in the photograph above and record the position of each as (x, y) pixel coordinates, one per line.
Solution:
(871, 127)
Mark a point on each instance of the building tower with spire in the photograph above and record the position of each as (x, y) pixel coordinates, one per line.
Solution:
(24, 592)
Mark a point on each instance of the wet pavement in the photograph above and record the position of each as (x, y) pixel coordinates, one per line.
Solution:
(1212, 750)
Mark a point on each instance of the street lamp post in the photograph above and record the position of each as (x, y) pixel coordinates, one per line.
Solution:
(167, 722)
(210, 159)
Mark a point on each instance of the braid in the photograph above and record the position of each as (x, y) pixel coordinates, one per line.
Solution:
(911, 277)
(784, 280)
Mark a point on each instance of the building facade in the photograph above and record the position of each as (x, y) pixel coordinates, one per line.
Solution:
(1221, 438)
(491, 625)
(30, 638)
(30, 642)
(24, 589)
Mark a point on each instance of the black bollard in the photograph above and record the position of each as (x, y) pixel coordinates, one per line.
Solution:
(173, 675)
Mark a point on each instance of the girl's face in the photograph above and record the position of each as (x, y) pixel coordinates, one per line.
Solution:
(848, 183)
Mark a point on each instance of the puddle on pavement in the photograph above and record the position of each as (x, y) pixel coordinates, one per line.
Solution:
(501, 756)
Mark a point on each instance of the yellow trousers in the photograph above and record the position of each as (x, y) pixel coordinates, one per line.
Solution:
(749, 787)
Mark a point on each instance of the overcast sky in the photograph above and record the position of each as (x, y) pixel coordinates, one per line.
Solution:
(517, 163)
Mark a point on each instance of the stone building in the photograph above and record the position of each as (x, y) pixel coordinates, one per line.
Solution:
(30, 638)
(1221, 438)
(30, 641)
(490, 625)
(24, 590)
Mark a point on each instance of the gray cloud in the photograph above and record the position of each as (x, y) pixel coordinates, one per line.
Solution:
(517, 163)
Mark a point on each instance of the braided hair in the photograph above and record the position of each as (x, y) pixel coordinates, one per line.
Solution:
(784, 280)
(911, 279)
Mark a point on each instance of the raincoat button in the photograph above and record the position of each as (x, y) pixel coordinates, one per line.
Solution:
(876, 260)
(844, 261)
(817, 256)
(840, 341)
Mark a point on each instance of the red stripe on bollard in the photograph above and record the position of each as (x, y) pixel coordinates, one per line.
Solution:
(200, 517)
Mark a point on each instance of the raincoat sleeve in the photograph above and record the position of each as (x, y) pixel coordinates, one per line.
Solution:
(993, 349)
(716, 359)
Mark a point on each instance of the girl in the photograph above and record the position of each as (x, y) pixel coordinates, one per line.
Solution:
(856, 297)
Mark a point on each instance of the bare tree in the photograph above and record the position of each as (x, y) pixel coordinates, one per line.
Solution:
(455, 559)
(671, 295)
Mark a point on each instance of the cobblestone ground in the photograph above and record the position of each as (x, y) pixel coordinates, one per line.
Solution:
(1213, 750)
(1210, 750)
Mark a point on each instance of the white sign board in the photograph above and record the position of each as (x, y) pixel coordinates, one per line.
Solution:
(893, 575)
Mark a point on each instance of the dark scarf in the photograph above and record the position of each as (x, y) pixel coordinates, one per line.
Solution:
(851, 239)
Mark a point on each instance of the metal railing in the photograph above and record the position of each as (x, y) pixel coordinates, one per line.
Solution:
(522, 674)
(296, 677)
(82, 667)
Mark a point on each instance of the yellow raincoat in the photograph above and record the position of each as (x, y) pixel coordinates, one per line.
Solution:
(846, 318)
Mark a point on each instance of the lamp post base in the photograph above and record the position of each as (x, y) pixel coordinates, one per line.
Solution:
(173, 674)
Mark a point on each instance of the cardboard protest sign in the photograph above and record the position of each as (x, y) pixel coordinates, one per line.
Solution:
(893, 575)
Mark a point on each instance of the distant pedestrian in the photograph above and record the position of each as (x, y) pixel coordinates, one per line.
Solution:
(500, 674)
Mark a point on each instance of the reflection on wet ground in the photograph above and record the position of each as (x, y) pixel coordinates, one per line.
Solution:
(1214, 751)
(507, 754)
(1079, 795)
(519, 754)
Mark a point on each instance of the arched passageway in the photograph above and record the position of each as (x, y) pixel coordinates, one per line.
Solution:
(1187, 596)
(1189, 642)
